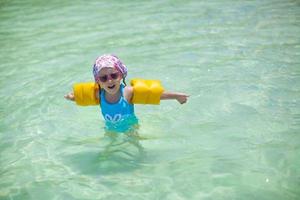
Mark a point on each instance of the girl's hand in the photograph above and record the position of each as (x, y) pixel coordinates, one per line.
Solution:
(70, 96)
(181, 98)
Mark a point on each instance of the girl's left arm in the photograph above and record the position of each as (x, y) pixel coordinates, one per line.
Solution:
(128, 93)
(180, 97)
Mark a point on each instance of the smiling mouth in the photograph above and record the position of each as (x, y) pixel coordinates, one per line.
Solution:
(111, 87)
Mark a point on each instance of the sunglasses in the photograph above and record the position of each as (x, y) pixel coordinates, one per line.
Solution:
(113, 76)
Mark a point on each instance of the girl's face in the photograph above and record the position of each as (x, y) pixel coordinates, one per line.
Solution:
(110, 79)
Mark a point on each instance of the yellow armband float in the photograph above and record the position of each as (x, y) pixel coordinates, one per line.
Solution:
(85, 93)
(144, 92)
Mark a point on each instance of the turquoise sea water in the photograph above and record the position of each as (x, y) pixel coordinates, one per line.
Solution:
(236, 138)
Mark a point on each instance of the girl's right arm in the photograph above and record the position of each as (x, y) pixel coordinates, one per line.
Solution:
(70, 96)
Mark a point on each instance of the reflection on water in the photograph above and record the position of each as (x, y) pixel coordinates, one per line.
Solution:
(122, 149)
(116, 152)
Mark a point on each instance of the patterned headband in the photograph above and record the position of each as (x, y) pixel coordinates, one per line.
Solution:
(109, 61)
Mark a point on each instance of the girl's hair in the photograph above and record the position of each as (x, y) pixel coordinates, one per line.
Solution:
(124, 81)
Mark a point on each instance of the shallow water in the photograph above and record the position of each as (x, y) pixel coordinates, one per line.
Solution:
(236, 138)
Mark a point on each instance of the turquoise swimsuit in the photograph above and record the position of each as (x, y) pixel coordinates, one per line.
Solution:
(118, 116)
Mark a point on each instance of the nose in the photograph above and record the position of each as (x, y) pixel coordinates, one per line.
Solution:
(109, 79)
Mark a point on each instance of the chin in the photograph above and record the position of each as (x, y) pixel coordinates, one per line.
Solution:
(113, 90)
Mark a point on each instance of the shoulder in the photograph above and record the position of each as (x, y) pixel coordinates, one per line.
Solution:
(98, 94)
(128, 93)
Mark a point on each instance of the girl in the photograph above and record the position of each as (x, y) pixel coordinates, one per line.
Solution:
(115, 97)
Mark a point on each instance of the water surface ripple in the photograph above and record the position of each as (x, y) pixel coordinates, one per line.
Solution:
(236, 138)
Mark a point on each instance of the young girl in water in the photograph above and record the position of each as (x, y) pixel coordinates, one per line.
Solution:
(115, 97)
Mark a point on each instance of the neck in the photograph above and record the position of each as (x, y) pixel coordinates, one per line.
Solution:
(112, 98)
